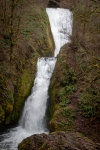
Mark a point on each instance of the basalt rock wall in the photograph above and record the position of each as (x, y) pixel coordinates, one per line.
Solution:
(74, 103)
(24, 37)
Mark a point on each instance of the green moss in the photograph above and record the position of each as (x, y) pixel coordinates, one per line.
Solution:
(45, 146)
(64, 94)
(89, 65)
(62, 120)
(22, 145)
(68, 112)
(62, 86)
(2, 115)
(90, 102)
(4, 43)
(85, 106)
(16, 77)
(23, 88)
(37, 23)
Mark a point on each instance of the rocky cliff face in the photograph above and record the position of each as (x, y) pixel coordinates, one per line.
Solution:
(74, 103)
(20, 46)
(74, 93)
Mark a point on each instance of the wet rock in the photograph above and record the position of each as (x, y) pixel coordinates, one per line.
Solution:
(54, 4)
(58, 141)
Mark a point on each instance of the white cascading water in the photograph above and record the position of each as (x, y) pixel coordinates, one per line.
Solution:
(34, 111)
(61, 26)
(32, 120)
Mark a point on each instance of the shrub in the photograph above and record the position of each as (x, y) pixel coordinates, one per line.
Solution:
(64, 94)
(68, 112)
(86, 107)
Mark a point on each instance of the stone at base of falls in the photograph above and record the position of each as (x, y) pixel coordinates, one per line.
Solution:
(58, 141)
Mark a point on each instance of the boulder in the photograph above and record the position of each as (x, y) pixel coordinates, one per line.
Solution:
(58, 141)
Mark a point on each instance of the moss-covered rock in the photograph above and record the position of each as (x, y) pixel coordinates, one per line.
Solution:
(78, 61)
(62, 86)
(58, 140)
(33, 39)
(2, 115)
(36, 23)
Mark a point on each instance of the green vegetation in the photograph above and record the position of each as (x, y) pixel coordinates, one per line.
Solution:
(83, 77)
(85, 105)
(90, 102)
(36, 23)
(63, 98)
(62, 86)
(22, 146)
(69, 115)
(68, 112)
(45, 146)
(75, 82)
(4, 43)
(90, 72)
(63, 119)
(2, 115)
(64, 94)
(31, 37)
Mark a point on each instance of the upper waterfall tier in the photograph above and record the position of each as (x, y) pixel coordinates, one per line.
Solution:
(61, 26)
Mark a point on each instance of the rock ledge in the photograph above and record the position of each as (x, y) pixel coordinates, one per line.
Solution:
(58, 141)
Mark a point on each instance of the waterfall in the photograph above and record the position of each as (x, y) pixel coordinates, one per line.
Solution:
(61, 26)
(32, 120)
(34, 111)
